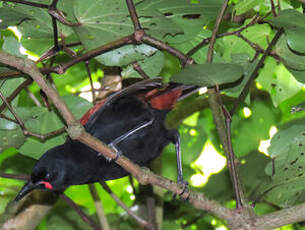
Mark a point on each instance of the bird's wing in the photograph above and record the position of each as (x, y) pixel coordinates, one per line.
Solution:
(144, 85)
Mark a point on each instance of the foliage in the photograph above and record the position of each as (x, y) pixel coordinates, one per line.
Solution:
(278, 174)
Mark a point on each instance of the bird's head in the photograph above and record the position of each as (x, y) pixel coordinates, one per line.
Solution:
(49, 173)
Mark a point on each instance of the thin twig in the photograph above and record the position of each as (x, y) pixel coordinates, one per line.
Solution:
(84, 216)
(140, 71)
(184, 59)
(133, 15)
(216, 106)
(99, 207)
(273, 8)
(151, 208)
(215, 30)
(55, 34)
(139, 220)
(15, 176)
(34, 4)
(91, 82)
(16, 92)
(207, 40)
(60, 69)
(33, 97)
(22, 126)
(254, 74)
(130, 178)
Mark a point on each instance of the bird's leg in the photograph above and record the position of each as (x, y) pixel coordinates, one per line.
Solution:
(113, 144)
(175, 138)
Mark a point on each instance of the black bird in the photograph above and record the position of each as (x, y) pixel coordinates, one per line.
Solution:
(131, 121)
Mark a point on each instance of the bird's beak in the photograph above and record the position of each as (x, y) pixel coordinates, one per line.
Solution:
(28, 187)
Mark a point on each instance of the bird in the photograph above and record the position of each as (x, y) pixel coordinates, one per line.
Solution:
(131, 121)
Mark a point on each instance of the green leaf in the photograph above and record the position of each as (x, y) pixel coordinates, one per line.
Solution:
(101, 22)
(201, 54)
(10, 17)
(243, 60)
(63, 217)
(209, 74)
(252, 172)
(105, 21)
(152, 66)
(288, 135)
(9, 86)
(246, 5)
(188, 16)
(35, 25)
(289, 58)
(288, 181)
(258, 34)
(248, 132)
(294, 24)
(219, 187)
(298, 75)
(45, 122)
(278, 82)
(126, 55)
(11, 46)
(11, 138)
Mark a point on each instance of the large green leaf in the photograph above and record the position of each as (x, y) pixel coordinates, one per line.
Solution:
(279, 83)
(257, 34)
(209, 74)
(62, 217)
(35, 24)
(8, 86)
(246, 5)
(248, 132)
(243, 60)
(294, 24)
(188, 15)
(289, 58)
(290, 134)
(45, 122)
(105, 21)
(288, 181)
(126, 55)
(11, 46)
(152, 66)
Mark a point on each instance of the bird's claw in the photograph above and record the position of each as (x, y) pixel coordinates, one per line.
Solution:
(185, 189)
(118, 153)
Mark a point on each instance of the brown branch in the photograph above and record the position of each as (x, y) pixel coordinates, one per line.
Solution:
(254, 74)
(140, 71)
(22, 125)
(33, 97)
(10, 74)
(273, 8)
(133, 15)
(83, 215)
(91, 82)
(34, 4)
(184, 59)
(99, 207)
(27, 214)
(207, 40)
(16, 92)
(14, 176)
(217, 110)
(76, 131)
(138, 219)
(60, 69)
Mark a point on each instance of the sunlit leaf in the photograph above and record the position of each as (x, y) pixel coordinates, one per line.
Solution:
(208, 74)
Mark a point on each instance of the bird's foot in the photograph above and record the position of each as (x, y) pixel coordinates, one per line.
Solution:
(185, 189)
(117, 151)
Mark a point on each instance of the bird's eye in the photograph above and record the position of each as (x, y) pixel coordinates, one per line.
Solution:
(48, 177)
